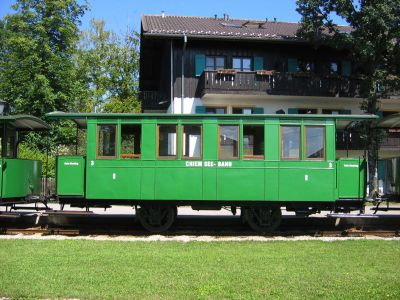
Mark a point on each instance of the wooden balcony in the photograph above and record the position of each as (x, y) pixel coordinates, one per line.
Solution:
(250, 83)
(265, 83)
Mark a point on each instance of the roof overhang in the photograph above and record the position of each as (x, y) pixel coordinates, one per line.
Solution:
(24, 122)
(342, 121)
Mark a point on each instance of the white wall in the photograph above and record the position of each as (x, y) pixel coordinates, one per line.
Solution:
(271, 104)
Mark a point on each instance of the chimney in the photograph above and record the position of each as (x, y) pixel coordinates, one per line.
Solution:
(215, 16)
(226, 17)
(275, 20)
(163, 14)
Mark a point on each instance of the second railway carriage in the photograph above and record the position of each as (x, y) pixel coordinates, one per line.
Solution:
(20, 179)
(258, 163)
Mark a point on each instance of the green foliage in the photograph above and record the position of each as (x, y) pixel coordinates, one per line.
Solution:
(375, 49)
(48, 163)
(108, 66)
(199, 270)
(37, 73)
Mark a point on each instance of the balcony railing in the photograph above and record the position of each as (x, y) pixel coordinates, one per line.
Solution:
(217, 82)
(310, 85)
(296, 84)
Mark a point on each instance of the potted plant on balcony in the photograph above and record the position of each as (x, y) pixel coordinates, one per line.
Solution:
(226, 71)
(265, 72)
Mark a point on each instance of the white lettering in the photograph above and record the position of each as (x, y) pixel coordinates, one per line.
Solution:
(71, 164)
(350, 166)
(194, 164)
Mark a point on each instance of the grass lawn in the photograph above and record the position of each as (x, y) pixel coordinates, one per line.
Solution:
(154, 270)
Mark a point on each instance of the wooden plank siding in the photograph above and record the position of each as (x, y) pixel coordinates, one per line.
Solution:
(155, 64)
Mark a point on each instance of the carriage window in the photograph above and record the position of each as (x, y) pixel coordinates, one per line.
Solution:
(315, 142)
(228, 142)
(106, 141)
(253, 141)
(130, 140)
(191, 143)
(167, 142)
(290, 142)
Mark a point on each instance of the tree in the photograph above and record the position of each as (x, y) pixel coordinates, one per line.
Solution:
(36, 70)
(374, 41)
(108, 66)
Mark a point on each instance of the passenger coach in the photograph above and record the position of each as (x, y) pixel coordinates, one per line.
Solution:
(258, 163)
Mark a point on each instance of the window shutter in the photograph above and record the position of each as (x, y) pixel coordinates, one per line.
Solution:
(346, 68)
(258, 63)
(200, 63)
(293, 111)
(292, 65)
(345, 112)
(200, 109)
(258, 111)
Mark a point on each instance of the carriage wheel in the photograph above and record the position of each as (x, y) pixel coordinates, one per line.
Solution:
(156, 218)
(263, 219)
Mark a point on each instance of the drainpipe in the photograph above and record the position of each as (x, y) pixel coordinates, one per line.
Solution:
(172, 80)
(183, 73)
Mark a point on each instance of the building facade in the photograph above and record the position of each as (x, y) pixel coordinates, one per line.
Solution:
(221, 65)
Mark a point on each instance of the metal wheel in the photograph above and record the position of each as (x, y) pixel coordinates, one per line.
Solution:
(263, 219)
(156, 218)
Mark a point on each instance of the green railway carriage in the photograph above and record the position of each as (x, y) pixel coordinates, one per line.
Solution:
(259, 163)
(20, 179)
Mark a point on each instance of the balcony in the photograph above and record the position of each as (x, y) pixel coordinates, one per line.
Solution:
(268, 83)
(250, 83)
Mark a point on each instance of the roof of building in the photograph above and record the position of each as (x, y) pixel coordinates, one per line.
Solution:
(203, 27)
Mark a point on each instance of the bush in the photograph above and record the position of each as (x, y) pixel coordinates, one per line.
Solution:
(26, 152)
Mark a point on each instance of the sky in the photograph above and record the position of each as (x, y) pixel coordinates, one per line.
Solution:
(121, 14)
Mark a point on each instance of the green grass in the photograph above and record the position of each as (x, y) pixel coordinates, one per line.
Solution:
(155, 270)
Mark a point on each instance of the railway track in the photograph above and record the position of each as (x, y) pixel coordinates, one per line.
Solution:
(351, 232)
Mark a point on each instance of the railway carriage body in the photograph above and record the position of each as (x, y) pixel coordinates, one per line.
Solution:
(256, 162)
(20, 179)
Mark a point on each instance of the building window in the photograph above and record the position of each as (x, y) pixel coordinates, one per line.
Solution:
(243, 110)
(167, 142)
(228, 142)
(253, 141)
(106, 141)
(306, 111)
(215, 63)
(241, 63)
(215, 110)
(315, 142)
(305, 66)
(131, 135)
(290, 142)
(333, 68)
(191, 141)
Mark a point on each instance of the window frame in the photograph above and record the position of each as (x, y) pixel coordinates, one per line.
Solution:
(216, 107)
(305, 142)
(281, 145)
(241, 63)
(201, 142)
(214, 57)
(253, 157)
(242, 108)
(131, 155)
(97, 141)
(219, 141)
(158, 157)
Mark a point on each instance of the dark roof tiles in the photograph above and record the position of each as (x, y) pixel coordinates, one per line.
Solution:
(220, 28)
